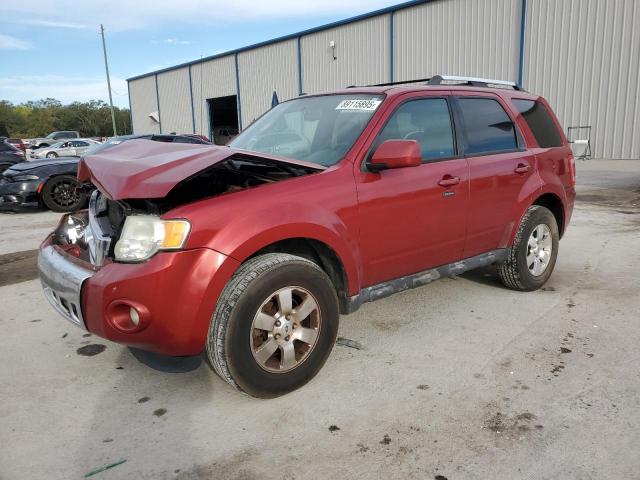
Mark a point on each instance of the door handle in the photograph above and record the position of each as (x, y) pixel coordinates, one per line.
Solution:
(522, 168)
(449, 181)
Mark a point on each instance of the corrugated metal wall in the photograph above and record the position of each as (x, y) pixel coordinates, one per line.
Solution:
(143, 101)
(461, 37)
(362, 55)
(211, 79)
(263, 71)
(583, 56)
(175, 101)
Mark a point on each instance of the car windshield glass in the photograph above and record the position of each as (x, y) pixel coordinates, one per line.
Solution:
(56, 145)
(98, 147)
(51, 135)
(314, 129)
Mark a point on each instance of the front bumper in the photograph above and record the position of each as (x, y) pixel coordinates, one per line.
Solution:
(176, 293)
(18, 195)
(62, 282)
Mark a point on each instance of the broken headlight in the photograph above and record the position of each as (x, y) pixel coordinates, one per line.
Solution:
(145, 235)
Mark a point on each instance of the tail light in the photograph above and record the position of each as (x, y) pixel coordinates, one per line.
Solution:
(572, 170)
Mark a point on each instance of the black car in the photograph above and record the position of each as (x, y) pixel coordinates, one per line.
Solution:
(9, 155)
(52, 182)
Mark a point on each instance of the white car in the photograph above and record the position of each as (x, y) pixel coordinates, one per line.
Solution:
(67, 148)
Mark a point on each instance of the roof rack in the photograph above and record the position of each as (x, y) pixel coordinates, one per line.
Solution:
(438, 79)
(473, 81)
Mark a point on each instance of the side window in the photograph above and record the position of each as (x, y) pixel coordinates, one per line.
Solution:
(488, 127)
(428, 122)
(540, 123)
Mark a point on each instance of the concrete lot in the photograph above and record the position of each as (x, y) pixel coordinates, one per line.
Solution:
(461, 379)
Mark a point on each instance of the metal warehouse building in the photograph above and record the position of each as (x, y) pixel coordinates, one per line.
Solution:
(582, 55)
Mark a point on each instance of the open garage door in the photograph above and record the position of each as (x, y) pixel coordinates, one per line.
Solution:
(223, 119)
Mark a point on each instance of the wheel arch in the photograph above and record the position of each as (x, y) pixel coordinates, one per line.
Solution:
(320, 253)
(552, 202)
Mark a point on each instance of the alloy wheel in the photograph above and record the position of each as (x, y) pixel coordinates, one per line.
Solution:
(65, 193)
(539, 249)
(285, 329)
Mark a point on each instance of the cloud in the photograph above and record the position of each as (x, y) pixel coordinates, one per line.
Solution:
(175, 41)
(127, 15)
(55, 24)
(8, 42)
(67, 89)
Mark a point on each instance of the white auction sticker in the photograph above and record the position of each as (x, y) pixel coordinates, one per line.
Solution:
(359, 104)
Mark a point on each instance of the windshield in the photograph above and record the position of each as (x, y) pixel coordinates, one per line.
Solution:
(56, 145)
(97, 147)
(313, 129)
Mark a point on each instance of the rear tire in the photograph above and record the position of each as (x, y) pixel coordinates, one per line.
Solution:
(253, 317)
(64, 194)
(534, 251)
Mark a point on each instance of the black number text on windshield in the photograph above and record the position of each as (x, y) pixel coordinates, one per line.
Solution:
(313, 129)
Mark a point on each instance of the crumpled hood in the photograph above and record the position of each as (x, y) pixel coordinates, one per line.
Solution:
(148, 169)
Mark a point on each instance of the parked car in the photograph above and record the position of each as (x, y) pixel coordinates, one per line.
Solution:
(66, 148)
(249, 255)
(18, 143)
(52, 182)
(9, 154)
(52, 138)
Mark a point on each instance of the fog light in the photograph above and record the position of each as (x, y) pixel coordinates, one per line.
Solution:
(135, 318)
(128, 316)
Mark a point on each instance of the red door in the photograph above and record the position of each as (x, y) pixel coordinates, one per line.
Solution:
(410, 219)
(499, 168)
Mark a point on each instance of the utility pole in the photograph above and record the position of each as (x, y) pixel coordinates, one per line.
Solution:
(106, 66)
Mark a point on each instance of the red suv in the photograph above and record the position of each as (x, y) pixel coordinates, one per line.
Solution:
(249, 253)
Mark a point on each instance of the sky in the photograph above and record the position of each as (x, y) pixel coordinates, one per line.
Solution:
(52, 48)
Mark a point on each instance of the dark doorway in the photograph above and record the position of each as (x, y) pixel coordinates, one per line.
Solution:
(223, 119)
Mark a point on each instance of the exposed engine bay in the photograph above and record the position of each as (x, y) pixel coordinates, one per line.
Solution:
(238, 172)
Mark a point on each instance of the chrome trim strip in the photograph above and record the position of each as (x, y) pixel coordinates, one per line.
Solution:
(490, 81)
(97, 242)
(62, 284)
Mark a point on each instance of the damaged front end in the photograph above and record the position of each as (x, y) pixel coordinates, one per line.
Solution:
(123, 222)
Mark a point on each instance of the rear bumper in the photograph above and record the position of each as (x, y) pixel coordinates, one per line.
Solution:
(175, 293)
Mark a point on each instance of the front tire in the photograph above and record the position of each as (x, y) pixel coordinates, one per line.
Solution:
(64, 194)
(51, 155)
(274, 326)
(534, 251)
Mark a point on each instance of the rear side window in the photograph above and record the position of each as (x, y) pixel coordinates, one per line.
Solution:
(428, 122)
(488, 127)
(540, 123)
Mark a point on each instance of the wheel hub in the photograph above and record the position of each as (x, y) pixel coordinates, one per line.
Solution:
(285, 329)
(539, 248)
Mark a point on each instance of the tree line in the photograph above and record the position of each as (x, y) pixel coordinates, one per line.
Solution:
(41, 117)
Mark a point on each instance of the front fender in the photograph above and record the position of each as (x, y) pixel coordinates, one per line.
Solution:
(321, 207)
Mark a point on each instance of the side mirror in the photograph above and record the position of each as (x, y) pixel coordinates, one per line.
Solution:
(395, 154)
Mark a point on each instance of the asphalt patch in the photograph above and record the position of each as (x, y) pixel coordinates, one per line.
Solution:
(18, 267)
(91, 350)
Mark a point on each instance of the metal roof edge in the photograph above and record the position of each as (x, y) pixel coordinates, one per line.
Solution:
(327, 26)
